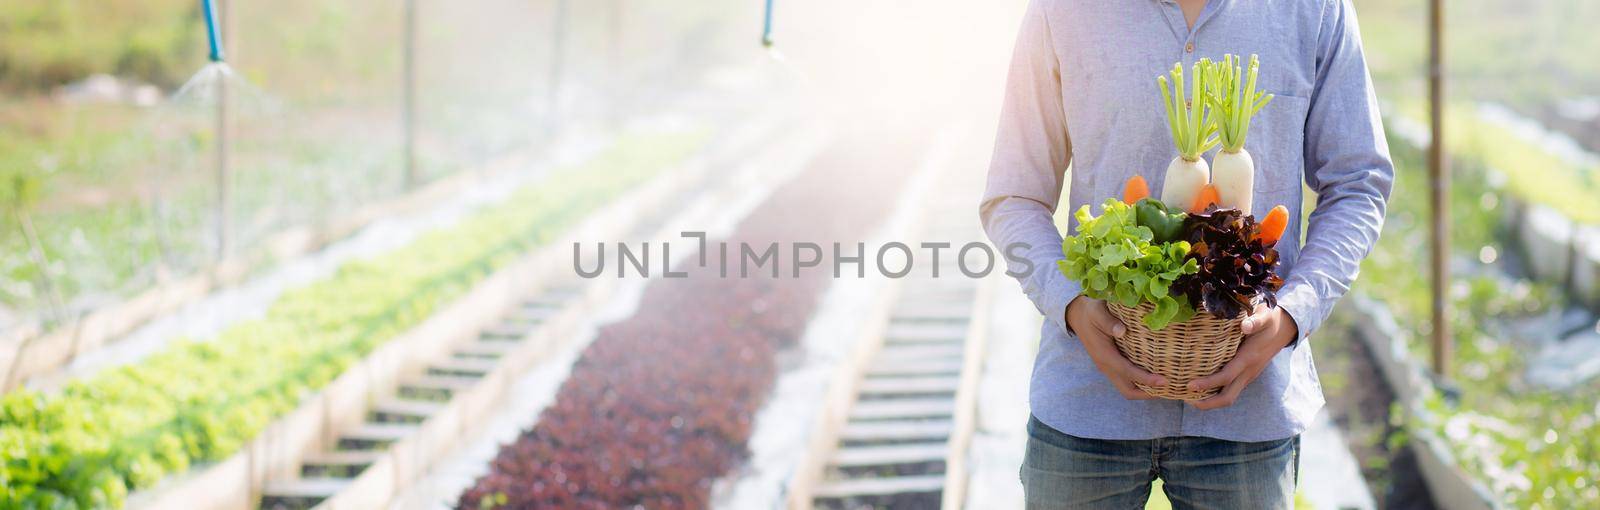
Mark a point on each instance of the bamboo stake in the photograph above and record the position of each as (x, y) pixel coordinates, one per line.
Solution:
(1439, 179)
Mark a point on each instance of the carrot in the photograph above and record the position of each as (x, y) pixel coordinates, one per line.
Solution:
(1135, 190)
(1273, 225)
(1206, 198)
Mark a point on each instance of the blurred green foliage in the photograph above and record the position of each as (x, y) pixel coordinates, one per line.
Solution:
(1534, 447)
(1526, 53)
(1501, 425)
(48, 43)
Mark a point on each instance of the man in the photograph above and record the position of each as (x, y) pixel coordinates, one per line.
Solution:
(1082, 90)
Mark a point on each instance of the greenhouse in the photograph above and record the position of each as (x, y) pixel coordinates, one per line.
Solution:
(752, 254)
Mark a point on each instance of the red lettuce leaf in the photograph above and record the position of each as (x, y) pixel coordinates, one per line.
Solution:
(1236, 270)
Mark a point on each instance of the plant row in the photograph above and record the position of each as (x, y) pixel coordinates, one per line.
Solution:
(1529, 445)
(197, 401)
(661, 404)
(1531, 171)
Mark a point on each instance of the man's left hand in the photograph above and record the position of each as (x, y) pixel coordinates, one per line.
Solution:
(1266, 331)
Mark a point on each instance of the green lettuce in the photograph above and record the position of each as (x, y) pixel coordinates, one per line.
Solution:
(1115, 259)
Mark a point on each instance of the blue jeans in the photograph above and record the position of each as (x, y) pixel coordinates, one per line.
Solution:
(1061, 471)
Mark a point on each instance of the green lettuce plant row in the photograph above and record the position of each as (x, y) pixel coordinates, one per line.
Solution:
(1115, 259)
(127, 428)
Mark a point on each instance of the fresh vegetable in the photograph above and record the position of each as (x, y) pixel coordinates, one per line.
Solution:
(1165, 226)
(1135, 190)
(1206, 199)
(1273, 225)
(1234, 175)
(1194, 131)
(1231, 93)
(1234, 272)
(1114, 259)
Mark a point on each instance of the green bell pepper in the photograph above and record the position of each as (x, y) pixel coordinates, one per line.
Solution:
(1167, 226)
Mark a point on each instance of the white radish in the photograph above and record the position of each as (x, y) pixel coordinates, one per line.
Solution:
(1234, 175)
(1194, 131)
(1183, 182)
(1231, 93)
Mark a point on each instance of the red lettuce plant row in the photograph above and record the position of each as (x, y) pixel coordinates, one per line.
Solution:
(660, 405)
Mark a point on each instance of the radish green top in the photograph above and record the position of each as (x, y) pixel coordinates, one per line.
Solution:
(1194, 128)
(1231, 93)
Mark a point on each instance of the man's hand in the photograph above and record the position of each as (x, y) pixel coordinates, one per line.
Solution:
(1266, 331)
(1096, 327)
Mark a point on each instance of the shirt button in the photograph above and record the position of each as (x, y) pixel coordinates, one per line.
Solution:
(1189, 48)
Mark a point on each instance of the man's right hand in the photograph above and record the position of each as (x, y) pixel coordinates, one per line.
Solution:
(1096, 328)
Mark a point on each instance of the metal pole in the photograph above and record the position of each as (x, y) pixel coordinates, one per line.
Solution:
(409, 94)
(222, 170)
(614, 58)
(1439, 179)
(556, 61)
(224, 198)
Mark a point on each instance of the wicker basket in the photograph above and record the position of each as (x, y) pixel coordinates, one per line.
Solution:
(1181, 352)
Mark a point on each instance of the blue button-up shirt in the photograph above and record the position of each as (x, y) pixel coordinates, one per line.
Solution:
(1082, 91)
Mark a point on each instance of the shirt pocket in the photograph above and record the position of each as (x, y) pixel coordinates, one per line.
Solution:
(1277, 145)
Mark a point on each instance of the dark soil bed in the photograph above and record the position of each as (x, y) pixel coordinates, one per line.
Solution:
(1362, 403)
(661, 404)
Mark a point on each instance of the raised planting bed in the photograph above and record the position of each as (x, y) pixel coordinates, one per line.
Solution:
(661, 404)
(899, 438)
(1546, 194)
(1520, 443)
(130, 427)
(434, 415)
(898, 414)
(1368, 409)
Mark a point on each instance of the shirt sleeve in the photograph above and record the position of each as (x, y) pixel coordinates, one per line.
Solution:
(1031, 154)
(1347, 165)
